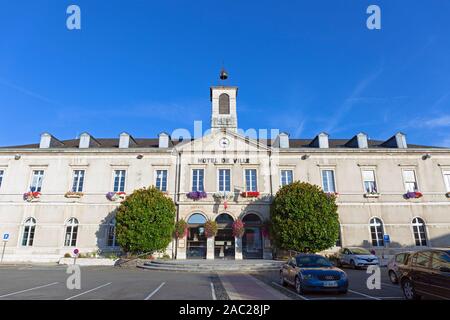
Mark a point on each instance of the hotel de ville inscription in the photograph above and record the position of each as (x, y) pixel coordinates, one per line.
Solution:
(224, 160)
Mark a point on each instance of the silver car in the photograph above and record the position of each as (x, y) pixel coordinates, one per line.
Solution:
(399, 260)
(356, 258)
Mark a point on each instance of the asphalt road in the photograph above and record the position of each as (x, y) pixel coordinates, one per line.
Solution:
(109, 283)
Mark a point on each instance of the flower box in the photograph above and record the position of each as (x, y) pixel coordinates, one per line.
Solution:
(31, 196)
(223, 195)
(71, 194)
(196, 195)
(114, 196)
(413, 195)
(250, 194)
(238, 228)
(372, 195)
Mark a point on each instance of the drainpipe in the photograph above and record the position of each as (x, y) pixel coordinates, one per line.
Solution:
(177, 196)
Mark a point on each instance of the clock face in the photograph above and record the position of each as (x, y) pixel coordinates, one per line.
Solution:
(224, 142)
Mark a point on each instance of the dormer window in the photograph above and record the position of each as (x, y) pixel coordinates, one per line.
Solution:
(224, 104)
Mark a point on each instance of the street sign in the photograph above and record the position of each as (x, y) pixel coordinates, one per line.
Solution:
(6, 237)
(386, 238)
(75, 251)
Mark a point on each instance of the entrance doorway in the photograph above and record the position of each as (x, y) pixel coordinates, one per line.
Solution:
(252, 241)
(224, 240)
(196, 239)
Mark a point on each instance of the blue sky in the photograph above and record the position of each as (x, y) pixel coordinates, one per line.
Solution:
(301, 66)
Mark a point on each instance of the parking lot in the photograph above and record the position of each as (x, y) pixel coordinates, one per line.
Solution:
(109, 283)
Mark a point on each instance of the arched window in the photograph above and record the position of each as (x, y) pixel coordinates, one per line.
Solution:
(224, 220)
(71, 233)
(196, 218)
(28, 232)
(112, 233)
(252, 219)
(376, 232)
(224, 104)
(420, 235)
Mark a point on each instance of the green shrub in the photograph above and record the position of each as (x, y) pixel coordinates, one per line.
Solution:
(145, 221)
(304, 218)
(67, 255)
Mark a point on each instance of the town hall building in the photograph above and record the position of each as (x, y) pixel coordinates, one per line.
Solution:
(57, 195)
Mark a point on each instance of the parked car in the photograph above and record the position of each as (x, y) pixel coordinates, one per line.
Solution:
(356, 258)
(313, 272)
(395, 263)
(426, 273)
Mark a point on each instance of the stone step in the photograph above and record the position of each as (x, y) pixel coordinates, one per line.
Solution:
(204, 269)
(209, 266)
(213, 265)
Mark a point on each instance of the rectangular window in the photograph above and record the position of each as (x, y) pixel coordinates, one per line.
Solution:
(328, 184)
(36, 181)
(78, 181)
(446, 180)
(161, 180)
(1, 177)
(286, 177)
(224, 180)
(370, 185)
(409, 178)
(119, 180)
(197, 180)
(250, 180)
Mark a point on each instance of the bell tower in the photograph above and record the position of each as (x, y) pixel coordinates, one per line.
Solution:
(223, 103)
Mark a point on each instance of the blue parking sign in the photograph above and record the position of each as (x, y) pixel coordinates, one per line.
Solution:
(5, 236)
(386, 238)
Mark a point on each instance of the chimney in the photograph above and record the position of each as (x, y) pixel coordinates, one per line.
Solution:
(126, 141)
(282, 141)
(358, 141)
(163, 140)
(396, 141)
(320, 141)
(49, 141)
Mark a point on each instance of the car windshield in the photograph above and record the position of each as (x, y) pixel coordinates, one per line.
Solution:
(359, 251)
(313, 262)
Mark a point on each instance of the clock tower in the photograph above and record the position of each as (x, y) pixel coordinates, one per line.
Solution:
(223, 103)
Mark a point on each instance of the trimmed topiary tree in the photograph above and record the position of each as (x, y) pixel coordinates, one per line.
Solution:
(145, 221)
(304, 218)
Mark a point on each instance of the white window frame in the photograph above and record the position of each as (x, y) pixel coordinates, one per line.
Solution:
(378, 240)
(334, 178)
(32, 179)
(446, 182)
(198, 180)
(123, 177)
(2, 176)
(415, 177)
(72, 225)
(31, 224)
(416, 225)
(78, 180)
(111, 226)
(245, 179)
(374, 177)
(156, 179)
(281, 175)
(218, 178)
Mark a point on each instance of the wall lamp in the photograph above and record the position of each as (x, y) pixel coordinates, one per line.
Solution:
(305, 156)
(140, 156)
(426, 156)
(17, 157)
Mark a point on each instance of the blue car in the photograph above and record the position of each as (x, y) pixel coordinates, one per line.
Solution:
(313, 272)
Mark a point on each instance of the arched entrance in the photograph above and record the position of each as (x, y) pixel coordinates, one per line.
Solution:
(196, 239)
(252, 241)
(224, 240)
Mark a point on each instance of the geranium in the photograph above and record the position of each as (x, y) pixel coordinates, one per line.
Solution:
(210, 228)
(250, 194)
(29, 196)
(181, 229)
(196, 195)
(238, 228)
(113, 196)
(413, 195)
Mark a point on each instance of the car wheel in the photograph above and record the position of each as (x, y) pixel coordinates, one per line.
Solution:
(393, 277)
(282, 281)
(298, 286)
(352, 264)
(408, 290)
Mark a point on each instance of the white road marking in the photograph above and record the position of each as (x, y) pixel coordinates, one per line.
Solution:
(155, 291)
(304, 298)
(213, 292)
(26, 290)
(364, 295)
(80, 294)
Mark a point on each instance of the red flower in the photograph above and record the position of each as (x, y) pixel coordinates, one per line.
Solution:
(250, 194)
